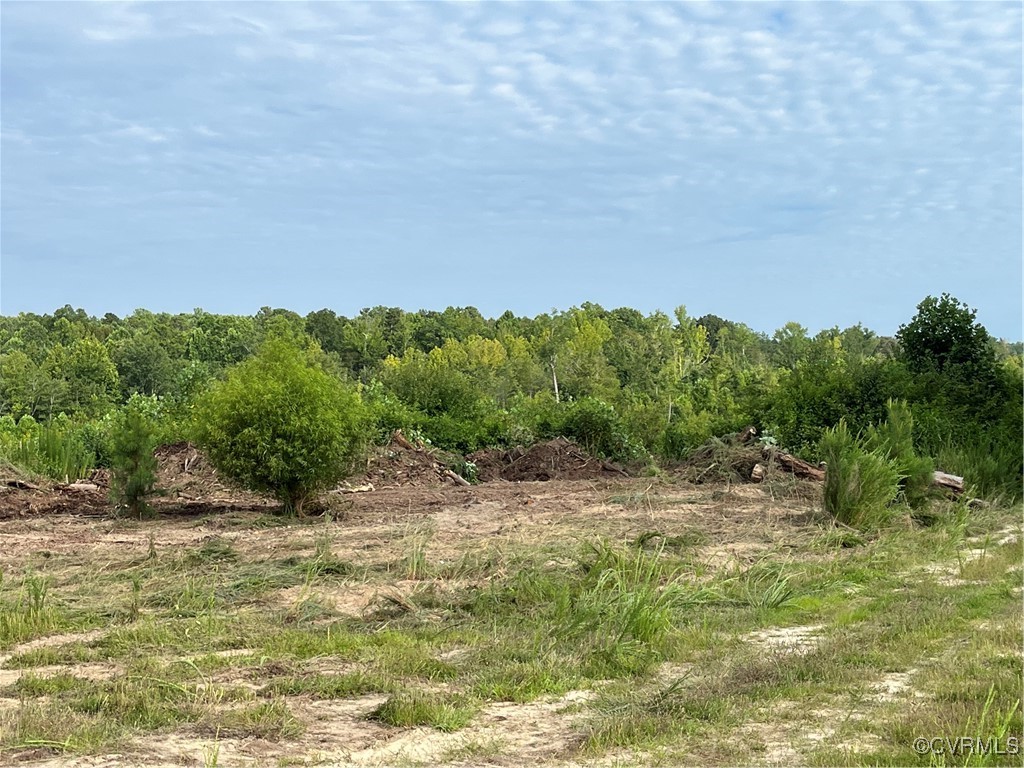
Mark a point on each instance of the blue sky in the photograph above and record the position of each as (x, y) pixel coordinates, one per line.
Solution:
(819, 162)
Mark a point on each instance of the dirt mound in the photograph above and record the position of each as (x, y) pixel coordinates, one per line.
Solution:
(183, 473)
(559, 459)
(401, 463)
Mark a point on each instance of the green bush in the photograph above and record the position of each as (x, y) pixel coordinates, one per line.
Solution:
(466, 435)
(279, 424)
(386, 413)
(537, 417)
(687, 432)
(596, 426)
(989, 463)
(859, 484)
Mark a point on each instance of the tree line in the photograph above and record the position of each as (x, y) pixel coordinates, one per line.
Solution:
(627, 385)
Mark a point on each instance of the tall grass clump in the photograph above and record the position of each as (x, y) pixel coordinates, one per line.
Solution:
(30, 615)
(54, 449)
(625, 608)
(893, 439)
(613, 611)
(991, 464)
(859, 484)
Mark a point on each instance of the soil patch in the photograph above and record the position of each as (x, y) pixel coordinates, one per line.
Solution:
(45, 497)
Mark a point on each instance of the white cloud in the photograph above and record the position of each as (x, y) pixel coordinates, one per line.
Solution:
(911, 111)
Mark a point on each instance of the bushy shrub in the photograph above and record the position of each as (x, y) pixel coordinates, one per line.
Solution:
(385, 413)
(279, 424)
(537, 417)
(596, 426)
(687, 432)
(859, 484)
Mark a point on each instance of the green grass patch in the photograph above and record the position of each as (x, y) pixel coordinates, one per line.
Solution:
(441, 711)
(328, 686)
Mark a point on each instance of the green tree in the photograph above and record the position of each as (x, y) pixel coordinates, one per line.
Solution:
(144, 365)
(27, 388)
(90, 374)
(791, 343)
(221, 339)
(132, 463)
(943, 337)
(279, 424)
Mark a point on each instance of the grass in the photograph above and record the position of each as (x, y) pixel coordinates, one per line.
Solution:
(228, 642)
(413, 708)
(328, 686)
(269, 720)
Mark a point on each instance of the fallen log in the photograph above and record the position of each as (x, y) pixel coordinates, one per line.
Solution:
(792, 464)
(953, 484)
(364, 488)
(79, 485)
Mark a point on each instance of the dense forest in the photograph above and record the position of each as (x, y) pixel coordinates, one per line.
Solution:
(632, 387)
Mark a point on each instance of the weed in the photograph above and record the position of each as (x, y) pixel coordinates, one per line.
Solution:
(415, 563)
(211, 752)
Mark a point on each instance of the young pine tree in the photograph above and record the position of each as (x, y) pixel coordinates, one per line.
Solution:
(132, 464)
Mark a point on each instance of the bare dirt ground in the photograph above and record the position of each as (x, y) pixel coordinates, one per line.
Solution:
(724, 528)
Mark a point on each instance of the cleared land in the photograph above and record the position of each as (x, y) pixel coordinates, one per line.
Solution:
(611, 621)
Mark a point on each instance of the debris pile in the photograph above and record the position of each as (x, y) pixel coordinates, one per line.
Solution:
(400, 463)
(559, 459)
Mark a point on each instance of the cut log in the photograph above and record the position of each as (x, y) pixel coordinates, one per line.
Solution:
(23, 485)
(82, 486)
(757, 473)
(399, 439)
(743, 437)
(365, 488)
(953, 484)
(459, 480)
(796, 466)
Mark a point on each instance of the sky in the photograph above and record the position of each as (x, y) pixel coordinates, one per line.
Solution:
(818, 162)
